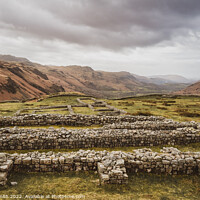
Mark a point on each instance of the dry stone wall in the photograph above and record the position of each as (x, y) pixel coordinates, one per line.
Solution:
(70, 120)
(117, 131)
(107, 109)
(155, 133)
(6, 165)
(149, 125)
(92, 106)
(112, 167)
(170, 161)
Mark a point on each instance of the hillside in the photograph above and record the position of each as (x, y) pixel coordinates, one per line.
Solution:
(22, 79)
(193, 89)
(9, 58)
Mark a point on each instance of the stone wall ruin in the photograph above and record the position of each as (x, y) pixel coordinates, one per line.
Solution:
(116, 131)
(112, 166)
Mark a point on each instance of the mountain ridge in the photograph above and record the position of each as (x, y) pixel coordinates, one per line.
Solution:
(21, 79)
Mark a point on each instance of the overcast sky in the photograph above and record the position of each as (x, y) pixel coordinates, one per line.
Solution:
(144, 37)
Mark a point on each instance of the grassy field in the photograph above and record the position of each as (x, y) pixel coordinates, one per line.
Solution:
(53, 111)
(11, 108)
(88, 101)
(84, 110)
(180, 108)
(141, 186)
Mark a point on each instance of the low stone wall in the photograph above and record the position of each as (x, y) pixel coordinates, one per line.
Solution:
(109, 107)
(92, 106)
(18, 138)
(6, 165)
(82, 102)
(170, 161)
(149, 125)
(70, 120)
(69, 107)
(100, 103)
(111, 166)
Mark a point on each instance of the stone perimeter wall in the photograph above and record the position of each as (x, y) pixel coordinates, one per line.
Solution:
(112, 166)
(70, 120)
(147, 133)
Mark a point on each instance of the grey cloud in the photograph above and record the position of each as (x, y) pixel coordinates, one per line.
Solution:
(112, 24)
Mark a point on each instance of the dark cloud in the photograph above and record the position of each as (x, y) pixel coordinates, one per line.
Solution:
(112, 24)
(144, 37)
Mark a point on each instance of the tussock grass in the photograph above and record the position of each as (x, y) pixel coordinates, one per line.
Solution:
(141, 186)
(84, 110)
(179, 108)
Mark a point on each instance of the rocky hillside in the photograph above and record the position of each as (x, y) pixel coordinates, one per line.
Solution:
(193, 89)
(10, 58)
(22, 79)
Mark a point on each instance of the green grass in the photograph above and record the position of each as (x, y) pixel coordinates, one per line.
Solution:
(84, 110)
(141, 186)
(53, 111)
(10, 108)
(88, 101)
(55, 101)
(181, 108)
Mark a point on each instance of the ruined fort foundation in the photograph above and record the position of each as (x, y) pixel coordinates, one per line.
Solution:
(116, 131)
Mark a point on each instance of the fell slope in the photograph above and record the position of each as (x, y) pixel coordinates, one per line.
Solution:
(26, 80)
(193, 89)
(97, 83)
(20, 81)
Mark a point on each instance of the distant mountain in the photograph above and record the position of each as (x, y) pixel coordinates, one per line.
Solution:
(9, 58)
(171, 78)
(193, 89)
(22, 79)
(163, 79)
